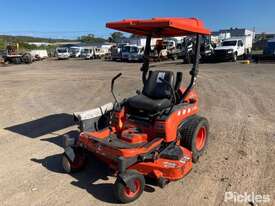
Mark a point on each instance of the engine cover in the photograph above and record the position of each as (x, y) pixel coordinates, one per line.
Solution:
(133, 135)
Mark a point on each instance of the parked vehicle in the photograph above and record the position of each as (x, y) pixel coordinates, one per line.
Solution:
(207, 52)
(62, 53)
(187, 50)
(160, 51)
(116, 51)
(174, 49)
(75, 51)
(270, 48)
(106, 49)
(125, 52)
(136, 54)
(132, 53)
(233, 48)
(268, 54)
(39, 54)
(88, 53)
(11, 55)
(99, 53)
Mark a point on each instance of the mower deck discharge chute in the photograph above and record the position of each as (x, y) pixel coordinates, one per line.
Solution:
(156, 133)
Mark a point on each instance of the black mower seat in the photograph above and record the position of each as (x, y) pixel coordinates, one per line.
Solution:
(142, 102)
(156, 95)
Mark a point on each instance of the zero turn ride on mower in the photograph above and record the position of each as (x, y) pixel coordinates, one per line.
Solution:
(156, 133)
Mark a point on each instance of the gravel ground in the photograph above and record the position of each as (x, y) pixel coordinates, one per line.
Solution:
(36, 102)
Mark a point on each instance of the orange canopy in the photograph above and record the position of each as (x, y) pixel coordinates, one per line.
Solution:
(160, 27)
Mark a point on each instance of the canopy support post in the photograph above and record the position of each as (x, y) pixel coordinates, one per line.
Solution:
(146, 59)
(195, 68)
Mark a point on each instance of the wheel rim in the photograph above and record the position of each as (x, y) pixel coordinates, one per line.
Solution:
(200, 139)
(127, 191)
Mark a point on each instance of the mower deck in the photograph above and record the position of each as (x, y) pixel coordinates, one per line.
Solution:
(167, 168)
(172, 165)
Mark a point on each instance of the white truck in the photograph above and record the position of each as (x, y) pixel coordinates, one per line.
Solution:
(116, 51)
(136, 54)
(125, 52)
(174, 48)
(234, 48)
(99, 53)
(88, 53)
(62, 53)
(75, 51)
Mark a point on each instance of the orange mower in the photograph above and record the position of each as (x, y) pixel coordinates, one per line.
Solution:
(156, 133)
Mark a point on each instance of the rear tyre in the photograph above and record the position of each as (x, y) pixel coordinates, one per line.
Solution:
(27, 58)
(123, 193)
(16, 60)
(194, 136)
(78, 164)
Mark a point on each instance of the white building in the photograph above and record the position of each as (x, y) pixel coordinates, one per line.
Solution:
(39, 43)
(139, 41)
(220, 35)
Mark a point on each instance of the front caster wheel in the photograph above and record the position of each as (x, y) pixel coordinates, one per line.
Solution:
(79, 162)
(162, 182)
(123, 193)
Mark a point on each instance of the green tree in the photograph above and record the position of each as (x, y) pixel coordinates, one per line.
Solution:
(135, 36)
(90, 38)
(2, 44)
(116, 37)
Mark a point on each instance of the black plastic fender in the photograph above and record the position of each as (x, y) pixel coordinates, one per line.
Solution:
(123, 163)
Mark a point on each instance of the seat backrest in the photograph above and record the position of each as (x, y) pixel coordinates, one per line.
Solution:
(155, 88)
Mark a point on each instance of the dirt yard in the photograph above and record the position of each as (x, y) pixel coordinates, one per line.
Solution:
(36, 102)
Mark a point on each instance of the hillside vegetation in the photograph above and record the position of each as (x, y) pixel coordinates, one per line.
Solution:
(23, 41)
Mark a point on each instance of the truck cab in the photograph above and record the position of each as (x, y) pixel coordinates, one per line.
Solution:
(99, 53)
(230, 49)
(173, 48)
(88, 53)
(125, 52)
(136, 53)
(75, 51)
(116, 51)
(62, 53)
